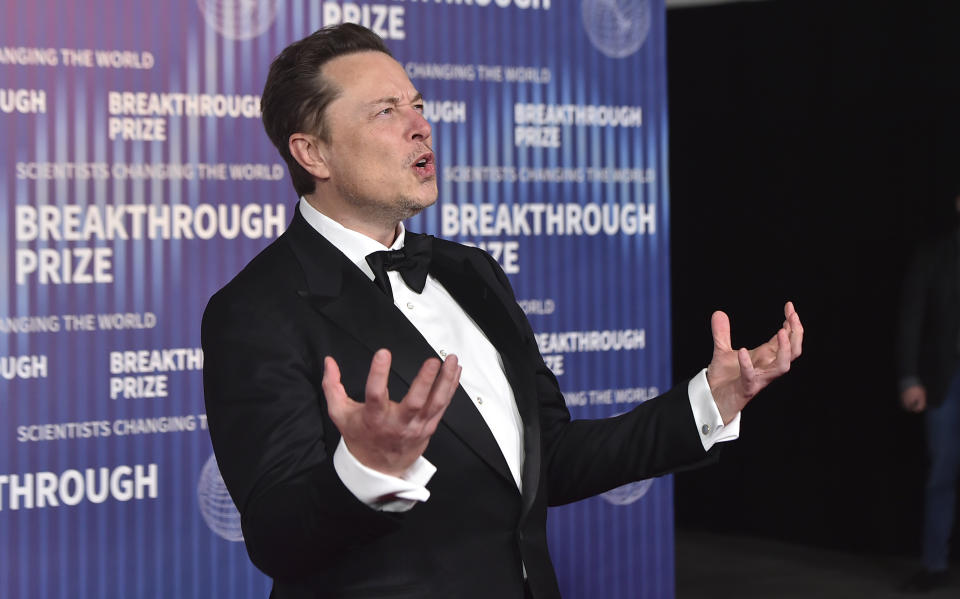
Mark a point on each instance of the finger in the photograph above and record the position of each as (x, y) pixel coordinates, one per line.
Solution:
(333, 390)
(796, 335)
(420, 388)
(439, 409)
(376, 390)
(443, 388)
(449, 372)
(772, 344)
(787, 311)
(784, 355)
(720, 326)
(747, 372)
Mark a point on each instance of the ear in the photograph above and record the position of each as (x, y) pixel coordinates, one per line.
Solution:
(310, 152)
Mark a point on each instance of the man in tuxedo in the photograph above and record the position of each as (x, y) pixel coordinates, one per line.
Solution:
(379, 409)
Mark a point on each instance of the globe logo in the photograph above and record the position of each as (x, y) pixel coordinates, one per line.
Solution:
(616, 28)
(628, 493)
(239, 19)
(216, 506)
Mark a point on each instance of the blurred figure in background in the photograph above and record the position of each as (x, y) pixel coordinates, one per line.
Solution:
(929, 377)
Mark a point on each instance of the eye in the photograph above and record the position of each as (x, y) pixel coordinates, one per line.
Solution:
(387, 110)
(418, 107)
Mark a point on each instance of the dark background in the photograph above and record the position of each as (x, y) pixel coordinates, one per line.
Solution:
(812, 144)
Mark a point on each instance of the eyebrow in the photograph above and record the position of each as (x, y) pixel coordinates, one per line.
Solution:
(395, 100)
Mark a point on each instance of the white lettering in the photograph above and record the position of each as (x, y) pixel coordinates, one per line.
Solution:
(24, 101)
(385, 20)
(547, 219)
(72, 487)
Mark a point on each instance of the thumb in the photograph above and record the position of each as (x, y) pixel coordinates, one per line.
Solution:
(720, 326)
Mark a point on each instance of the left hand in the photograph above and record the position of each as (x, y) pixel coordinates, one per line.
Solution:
(735, 376)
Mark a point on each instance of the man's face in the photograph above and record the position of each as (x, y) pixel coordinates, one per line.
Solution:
(379, 150)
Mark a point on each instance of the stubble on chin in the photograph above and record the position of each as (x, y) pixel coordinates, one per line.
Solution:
(388, 214)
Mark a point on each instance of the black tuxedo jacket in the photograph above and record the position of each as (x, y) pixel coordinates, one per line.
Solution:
(265, 335)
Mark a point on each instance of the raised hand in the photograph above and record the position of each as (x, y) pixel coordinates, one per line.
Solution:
(384, 435)
(735, 376)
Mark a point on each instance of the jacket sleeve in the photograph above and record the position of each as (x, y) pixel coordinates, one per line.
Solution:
(271, 435)
(913, 303)
(582, 458)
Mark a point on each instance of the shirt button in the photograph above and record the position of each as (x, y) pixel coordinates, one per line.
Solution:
(705, 429)
(410, 305)
(480, 400)
(443, 354)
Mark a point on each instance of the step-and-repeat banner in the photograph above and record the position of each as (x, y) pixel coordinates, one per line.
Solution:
(136, 179)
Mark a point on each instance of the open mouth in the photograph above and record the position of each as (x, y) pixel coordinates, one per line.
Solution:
(424, 164)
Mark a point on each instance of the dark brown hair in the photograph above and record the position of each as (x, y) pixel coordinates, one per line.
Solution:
(296, 94)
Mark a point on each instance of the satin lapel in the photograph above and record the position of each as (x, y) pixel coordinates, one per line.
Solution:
(340, 292)
(484, 299)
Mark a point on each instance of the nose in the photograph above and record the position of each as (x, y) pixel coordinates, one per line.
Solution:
(420, 129)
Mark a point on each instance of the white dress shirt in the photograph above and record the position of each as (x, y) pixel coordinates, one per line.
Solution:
(449, 330)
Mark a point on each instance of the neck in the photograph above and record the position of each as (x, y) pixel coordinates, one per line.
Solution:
(383, 230)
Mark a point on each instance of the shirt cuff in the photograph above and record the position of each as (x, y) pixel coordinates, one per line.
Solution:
(707, 417)
(381, 491)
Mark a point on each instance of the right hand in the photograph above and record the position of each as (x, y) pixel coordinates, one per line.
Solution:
(384, 435)
(914, 398)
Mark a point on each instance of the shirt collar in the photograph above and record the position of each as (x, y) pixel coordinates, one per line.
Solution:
(355, 246)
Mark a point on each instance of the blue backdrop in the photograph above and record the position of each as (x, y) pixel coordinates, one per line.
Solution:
(135, 179)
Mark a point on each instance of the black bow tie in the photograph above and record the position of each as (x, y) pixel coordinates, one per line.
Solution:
(412, 261)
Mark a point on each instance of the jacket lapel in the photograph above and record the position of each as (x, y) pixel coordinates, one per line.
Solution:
(339, 291)
(485, 300)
